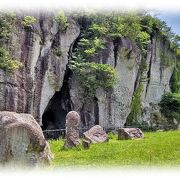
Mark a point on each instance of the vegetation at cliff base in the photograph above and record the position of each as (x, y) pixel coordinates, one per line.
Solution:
(175, 81)
(156, 149)
(170, 106)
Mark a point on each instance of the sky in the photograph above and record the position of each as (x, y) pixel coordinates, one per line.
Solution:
(172, 19)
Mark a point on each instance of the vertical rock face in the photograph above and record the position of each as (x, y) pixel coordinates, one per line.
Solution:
(45, 87)
(114, 106)
(31, 88)
(158, 76)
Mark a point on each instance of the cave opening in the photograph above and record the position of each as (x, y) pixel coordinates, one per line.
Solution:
(59, 105)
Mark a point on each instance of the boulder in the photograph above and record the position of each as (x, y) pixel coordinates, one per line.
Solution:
(22, 141)
(96, 134)
(72, 132)
(129, 133)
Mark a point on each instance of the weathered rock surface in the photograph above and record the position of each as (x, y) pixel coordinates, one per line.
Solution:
(96, 134)
(158, 77)
(129, 133)
(45, 86)
(72, 132)
(22, 141)
(30, 89)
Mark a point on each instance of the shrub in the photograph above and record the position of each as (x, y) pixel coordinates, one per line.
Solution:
(135, 106)
(6, 22)
(143, 39)
(87, 48)
(98, 29)
(178, 52)
(170, 106)
(175, 81)
(28, 20)
(61, 19)
(92, 76)
(8, 64)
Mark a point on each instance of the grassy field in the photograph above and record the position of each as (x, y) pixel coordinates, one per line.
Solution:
(156, 149)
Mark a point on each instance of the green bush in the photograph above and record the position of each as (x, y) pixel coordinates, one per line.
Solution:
(98, 29)
(8, 64)
(28, 20)
(178, 52)
(175, 81)
(87, 48)
(61, 19)
(92, 76)
(6, 22)
(170, 105)
(143, 39)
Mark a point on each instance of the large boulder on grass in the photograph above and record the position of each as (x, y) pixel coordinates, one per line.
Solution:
(129, 133)
(22, 141)
(72, 131)
(96, 134)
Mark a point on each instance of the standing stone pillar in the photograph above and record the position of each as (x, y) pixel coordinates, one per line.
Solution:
(72, 132)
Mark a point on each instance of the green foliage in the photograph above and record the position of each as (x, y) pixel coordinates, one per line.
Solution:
(175, 81)
(170, 105)
(166, 58)
(92, 76)
(57, 51)
(62, 21)
(28, 20)
(137, 26)
(143, 39)
(98, 29)
(6, 23)
(174, 43)
(178, 52)
(7, 63)
(87, 48)
(135, 106)
(112, 135)
(156, 149)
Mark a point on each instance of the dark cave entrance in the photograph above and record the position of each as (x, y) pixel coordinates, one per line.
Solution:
(53, 118)
(59, 105)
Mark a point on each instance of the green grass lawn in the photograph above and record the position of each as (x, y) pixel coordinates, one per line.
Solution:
(156, 149)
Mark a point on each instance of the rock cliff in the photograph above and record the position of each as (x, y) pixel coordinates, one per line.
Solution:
(46, 88)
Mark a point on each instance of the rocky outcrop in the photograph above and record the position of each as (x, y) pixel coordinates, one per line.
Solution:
(129, 133)
(96, 135)
(31, 88)
(157, 75)
(46, 88)
(22, 141)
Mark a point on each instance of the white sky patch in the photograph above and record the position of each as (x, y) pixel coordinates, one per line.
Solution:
(99, 4)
